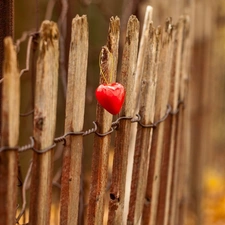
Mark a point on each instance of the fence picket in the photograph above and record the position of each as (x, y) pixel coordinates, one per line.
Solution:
(129, 59)
(109, 56)
(170, 130)
(143, 138)
(183, 128)
(176, 191)
(75, 105)
(137, 87)
(162, 94)
(44, 123)
(9, 134)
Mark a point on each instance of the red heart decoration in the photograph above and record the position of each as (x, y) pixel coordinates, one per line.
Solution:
(111, 97)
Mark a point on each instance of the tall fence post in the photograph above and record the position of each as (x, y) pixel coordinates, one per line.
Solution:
(181, 154)
(170, 130)
(44, 123)
(104, 119)
(9, 135)
(75, 104)
(144, 134)
(122, 139)
(137, 87)
(162, 97)
(7, 29)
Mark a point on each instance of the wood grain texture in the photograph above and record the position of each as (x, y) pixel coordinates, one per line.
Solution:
(137, 86)
(141, 54)
(177, 188)
(162, 96)
(129, 59)
(146, 111)
(75, 105)
(170, 130)
(10, 134)
(104, 119)
(44, 122)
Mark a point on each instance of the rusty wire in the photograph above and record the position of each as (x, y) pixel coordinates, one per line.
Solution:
(27, 113)
(155, 124)
(114, 126)
(179, 105)
(23, 38)
(32, 37)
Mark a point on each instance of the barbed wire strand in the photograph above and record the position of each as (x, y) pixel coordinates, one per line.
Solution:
(28, 53)
(27, 113)
(23, 38)
(113, 127)
(155, 124)
(29, 45)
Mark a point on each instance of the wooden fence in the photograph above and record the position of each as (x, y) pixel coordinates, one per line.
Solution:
(147, 184)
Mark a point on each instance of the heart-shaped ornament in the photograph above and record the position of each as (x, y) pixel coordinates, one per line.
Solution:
(111, 97)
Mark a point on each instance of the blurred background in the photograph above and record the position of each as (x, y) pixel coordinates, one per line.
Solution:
(205, 101)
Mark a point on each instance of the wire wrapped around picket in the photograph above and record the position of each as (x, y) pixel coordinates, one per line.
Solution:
(114, 126)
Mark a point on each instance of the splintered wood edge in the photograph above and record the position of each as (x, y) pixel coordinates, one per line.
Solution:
(48, 34)
(129, 61)
(141, 55)
(11, 96)
(110, 50)
(106, 66)
(44, 122)
(163, 84)
(77, 74)
(113, 42)
(186, 58)
(178, 60)
(46, 84)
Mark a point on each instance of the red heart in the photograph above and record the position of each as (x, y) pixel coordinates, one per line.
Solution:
(111, 97)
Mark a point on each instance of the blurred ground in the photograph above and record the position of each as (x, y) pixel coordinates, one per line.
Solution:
(213, 203)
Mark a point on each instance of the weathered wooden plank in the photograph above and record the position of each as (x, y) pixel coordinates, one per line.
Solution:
(108, 62)
(44, 123)
(177, 188)
(143, 138)
(9, 134)
(127, 78)
(184, 143)
(75, 105)
(162, 95)
(169, 132)
(137, 87)
(141, 54)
